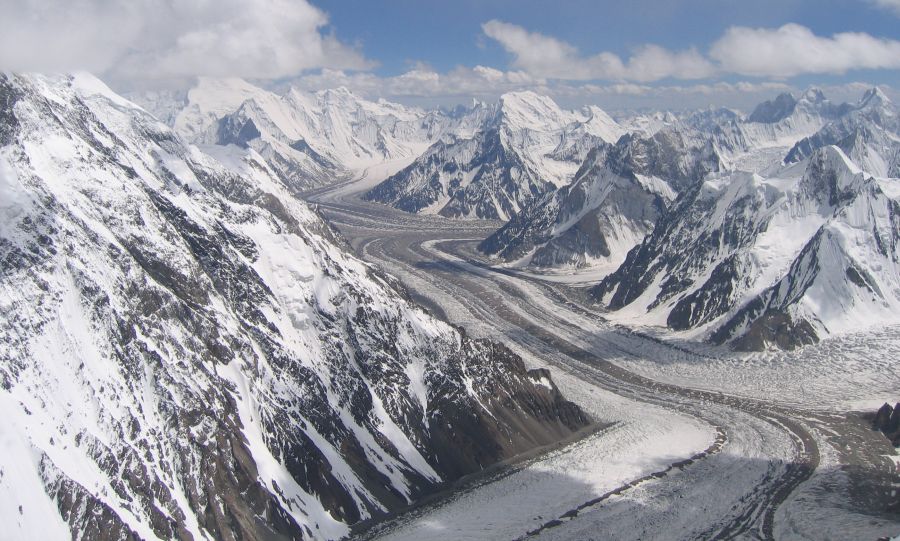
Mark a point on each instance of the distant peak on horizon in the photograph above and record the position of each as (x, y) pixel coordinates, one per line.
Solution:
(228, 91)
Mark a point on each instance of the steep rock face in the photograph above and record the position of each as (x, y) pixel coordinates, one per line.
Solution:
(769, 262)
(187, 351)
(887, 420)
(525, 147)
(617, 197)
(464, 178)
(868, 133)
(773, 110)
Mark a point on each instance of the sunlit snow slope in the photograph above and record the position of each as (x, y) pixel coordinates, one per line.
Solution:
(307, 139)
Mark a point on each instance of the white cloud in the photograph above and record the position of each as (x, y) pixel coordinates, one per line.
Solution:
(652, 63)
(153, 40)
(893, 5)
(548, 57)
(760, 52)
(794, 50)
(717, 91)
(743, 95)
(148, 39)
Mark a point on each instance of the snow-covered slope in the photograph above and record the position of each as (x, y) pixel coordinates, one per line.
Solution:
(188, 351)
(617, 196)
(760, 262)
(350, 131)
(708, 120)
(307, 139)
(524, 148)
(646, 123)
(581, 136)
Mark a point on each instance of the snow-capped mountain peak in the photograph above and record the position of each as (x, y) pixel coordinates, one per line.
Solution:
(211, 99)
(812, 103)
(868, 132)
(598, 122)
(309, 139)
(618, 194)
(529, 110)
(521, 148)
(874, 97)
(771, 111)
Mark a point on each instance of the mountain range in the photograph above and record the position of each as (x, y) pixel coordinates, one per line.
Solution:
(615, 199)
(631, 199)
(771, 230)
(781, 257)
(619, 194)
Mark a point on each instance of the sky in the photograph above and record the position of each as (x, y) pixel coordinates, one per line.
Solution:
(638, 54)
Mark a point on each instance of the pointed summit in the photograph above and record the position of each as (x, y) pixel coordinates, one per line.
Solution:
(874, 97)
(771, 111)
(211, 99)
(523, 96)
(814, 94)
(499, 159)
(526, 109)
(339, 95)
